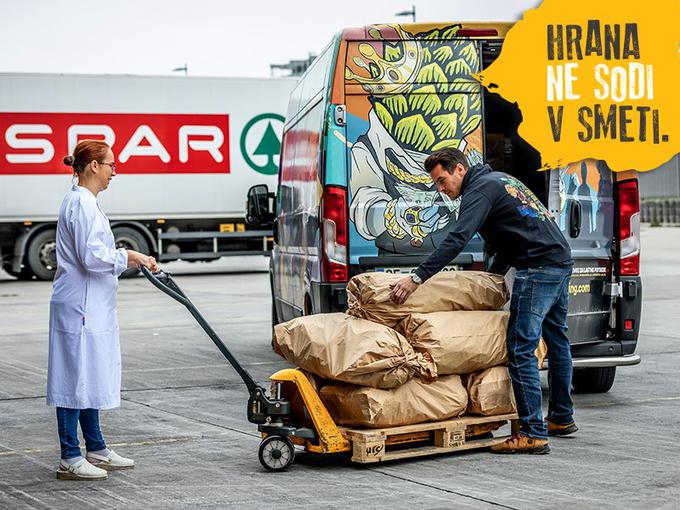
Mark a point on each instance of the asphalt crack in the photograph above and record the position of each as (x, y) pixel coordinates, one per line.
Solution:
(449, 491)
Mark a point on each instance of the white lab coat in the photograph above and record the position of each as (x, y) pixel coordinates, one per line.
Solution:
(84, 351)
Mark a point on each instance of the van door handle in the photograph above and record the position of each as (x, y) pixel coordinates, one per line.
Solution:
(575, 218)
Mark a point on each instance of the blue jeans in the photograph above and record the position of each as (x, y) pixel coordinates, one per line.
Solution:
(67, 423)
(539, 307)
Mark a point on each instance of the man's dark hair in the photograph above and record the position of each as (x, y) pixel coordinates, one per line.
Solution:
(448, 158)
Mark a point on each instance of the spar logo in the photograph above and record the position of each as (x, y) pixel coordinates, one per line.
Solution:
(261, 142)
(35, 143)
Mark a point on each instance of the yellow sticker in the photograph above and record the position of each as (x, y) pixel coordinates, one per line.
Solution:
(595, 79)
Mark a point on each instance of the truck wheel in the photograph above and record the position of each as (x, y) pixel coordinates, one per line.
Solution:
(42, 254)
(593, 380)
(130, 239)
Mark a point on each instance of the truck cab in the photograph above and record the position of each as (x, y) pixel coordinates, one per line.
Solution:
(353, 195)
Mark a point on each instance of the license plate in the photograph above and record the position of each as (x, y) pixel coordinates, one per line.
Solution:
(408, 270)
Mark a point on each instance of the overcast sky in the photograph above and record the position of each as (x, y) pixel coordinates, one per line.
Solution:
(216, 38)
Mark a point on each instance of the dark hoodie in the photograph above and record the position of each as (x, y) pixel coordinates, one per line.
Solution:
(511, 220)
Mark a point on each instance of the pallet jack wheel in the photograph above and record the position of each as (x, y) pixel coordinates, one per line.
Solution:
(276, 453)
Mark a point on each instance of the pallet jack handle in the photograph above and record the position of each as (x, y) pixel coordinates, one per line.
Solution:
(163, 281)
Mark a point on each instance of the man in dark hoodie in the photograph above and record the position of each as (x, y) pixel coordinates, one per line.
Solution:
(522, 234)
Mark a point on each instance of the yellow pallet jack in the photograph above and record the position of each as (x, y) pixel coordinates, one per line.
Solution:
(305, 423)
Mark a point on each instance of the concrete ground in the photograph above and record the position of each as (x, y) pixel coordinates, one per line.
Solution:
(183, 420)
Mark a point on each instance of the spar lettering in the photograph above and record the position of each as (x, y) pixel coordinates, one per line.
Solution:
(35, 143)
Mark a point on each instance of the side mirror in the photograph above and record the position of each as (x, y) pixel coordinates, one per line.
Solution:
(258, 210)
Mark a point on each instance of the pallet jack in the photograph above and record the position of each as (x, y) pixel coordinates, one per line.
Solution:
(291, 414)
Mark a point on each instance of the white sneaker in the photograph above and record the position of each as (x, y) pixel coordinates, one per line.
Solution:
(82, 470)
(111, 462)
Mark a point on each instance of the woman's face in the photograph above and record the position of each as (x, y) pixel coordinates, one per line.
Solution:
(105, 170)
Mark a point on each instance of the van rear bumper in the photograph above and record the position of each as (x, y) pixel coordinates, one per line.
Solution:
(604, 361)
(607, 361)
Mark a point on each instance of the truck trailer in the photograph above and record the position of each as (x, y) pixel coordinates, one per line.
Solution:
(187, 150)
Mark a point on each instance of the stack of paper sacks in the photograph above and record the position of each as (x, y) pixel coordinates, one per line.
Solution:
(437, 356)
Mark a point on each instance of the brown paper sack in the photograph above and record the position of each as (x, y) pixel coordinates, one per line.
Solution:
(459, 342)
(343, 348)
(368, 295)
(491, 392)
(414, 402)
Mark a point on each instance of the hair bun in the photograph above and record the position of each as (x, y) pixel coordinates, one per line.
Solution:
(69, 160)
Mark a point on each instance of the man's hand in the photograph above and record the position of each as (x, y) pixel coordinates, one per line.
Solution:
(403, 289)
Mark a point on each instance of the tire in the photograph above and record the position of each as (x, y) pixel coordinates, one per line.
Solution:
(42, 254)
(276, 453)
(130, 239)
(593, 380)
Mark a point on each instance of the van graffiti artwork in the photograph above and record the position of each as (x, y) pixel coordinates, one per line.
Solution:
(421, 97)
(590, 183)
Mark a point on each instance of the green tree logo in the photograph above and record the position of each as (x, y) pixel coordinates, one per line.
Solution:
(268, 146)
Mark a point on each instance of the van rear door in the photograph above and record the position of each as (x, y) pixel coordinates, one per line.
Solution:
(407, 94)
(582, 200)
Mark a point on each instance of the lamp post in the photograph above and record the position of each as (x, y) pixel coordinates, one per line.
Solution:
(412, 13)
(185, 69)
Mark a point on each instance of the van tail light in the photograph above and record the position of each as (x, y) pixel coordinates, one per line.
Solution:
(629, 228)
(334, 235)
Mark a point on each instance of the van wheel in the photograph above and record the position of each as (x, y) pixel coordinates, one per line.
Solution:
(130, 239)
(42, 254)
(593, 380)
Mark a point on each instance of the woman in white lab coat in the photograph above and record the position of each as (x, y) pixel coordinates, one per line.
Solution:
(84, 351)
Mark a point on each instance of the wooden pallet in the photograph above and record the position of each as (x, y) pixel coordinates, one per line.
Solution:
(379, 445)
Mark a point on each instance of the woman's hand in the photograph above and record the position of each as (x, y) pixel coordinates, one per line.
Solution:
(136, 259)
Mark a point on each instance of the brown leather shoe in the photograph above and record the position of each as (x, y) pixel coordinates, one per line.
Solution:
(519, 443)
(555, 429)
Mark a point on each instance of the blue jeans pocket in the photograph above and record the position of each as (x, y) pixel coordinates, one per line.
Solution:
(543, 295)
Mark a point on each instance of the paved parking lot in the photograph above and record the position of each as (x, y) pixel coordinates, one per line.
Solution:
(183, 414)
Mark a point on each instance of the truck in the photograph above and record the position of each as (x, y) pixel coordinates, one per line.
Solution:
(187, 149)
(353, 195)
